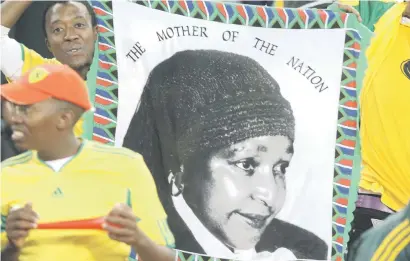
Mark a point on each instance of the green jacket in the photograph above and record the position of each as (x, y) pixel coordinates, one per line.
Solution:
(370, 11)
(390, 240)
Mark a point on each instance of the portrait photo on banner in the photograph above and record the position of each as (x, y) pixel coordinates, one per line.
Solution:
(237, 125)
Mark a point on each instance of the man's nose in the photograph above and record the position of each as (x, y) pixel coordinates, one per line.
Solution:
(71, 34)
(16, 117)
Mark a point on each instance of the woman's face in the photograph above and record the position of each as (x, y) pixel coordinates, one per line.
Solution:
(244, 189)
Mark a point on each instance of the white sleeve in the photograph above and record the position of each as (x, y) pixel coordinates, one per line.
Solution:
(11, 55)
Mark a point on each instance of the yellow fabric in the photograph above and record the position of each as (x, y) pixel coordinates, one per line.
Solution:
(349, 2)
(88, 186)
(385, 106)
(401, 243)
(356, 2)
(32, 59)
(279, 3)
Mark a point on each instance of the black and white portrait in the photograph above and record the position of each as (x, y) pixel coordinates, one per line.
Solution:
(237, 125)
(218, 138)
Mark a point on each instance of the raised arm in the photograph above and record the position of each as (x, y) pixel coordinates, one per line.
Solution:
(11, 51)
(11, 10)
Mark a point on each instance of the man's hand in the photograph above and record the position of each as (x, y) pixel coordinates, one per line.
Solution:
(121, 225)
(18, 224)
(350, 9)
(11, 11)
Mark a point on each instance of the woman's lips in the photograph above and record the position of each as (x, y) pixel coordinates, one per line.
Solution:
(254, 220)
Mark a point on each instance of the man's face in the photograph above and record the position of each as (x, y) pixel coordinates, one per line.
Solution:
(32, 126)
(70, 34)
(244, 191)
(407, 10)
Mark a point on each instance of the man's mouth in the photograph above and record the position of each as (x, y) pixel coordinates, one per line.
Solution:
(74, 51)
(17, 135)
(254, 220)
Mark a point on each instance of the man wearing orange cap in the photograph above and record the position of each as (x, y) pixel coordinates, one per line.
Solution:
(64, 178)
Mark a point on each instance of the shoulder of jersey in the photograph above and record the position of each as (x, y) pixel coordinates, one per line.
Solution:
(17, 160)
(53, 61)
(114, 152)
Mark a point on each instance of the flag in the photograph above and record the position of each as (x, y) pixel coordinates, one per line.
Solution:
(246, 117)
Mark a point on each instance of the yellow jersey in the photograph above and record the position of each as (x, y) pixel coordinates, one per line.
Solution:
(32, 59)
(87, 186)
(385, 107)
(357, 2)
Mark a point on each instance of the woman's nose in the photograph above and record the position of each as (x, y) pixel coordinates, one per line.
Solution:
(264, 185)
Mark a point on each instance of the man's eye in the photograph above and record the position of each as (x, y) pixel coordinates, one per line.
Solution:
(79, 25)
(57, 30)
(25, 107)
(22, 108)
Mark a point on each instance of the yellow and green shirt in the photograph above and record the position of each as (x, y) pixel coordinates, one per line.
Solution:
(385, 106)
(88, 186)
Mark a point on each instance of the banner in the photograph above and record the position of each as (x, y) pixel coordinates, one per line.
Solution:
(246, 117)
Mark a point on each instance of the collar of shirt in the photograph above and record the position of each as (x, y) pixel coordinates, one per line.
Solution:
(405, 21)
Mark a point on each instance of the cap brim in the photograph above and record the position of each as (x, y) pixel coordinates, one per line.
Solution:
(21, 94)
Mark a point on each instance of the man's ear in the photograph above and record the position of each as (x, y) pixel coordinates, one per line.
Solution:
(48, 45)
(95, 33)
(66, 120)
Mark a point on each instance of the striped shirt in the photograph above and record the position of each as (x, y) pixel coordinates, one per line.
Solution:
(389, 241)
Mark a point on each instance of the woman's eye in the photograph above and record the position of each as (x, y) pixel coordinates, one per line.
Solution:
(281, 167)
(246, 165)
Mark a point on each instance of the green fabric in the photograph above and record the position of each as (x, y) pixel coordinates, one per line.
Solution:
(91, 86)
(366, 35)
(368, 243)
(370, 11)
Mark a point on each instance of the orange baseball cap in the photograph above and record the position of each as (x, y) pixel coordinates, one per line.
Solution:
(48, 81)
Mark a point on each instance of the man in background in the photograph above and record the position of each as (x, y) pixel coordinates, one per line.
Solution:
(368, 12)
(388, 241)
(70, 33)
(385, 180)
